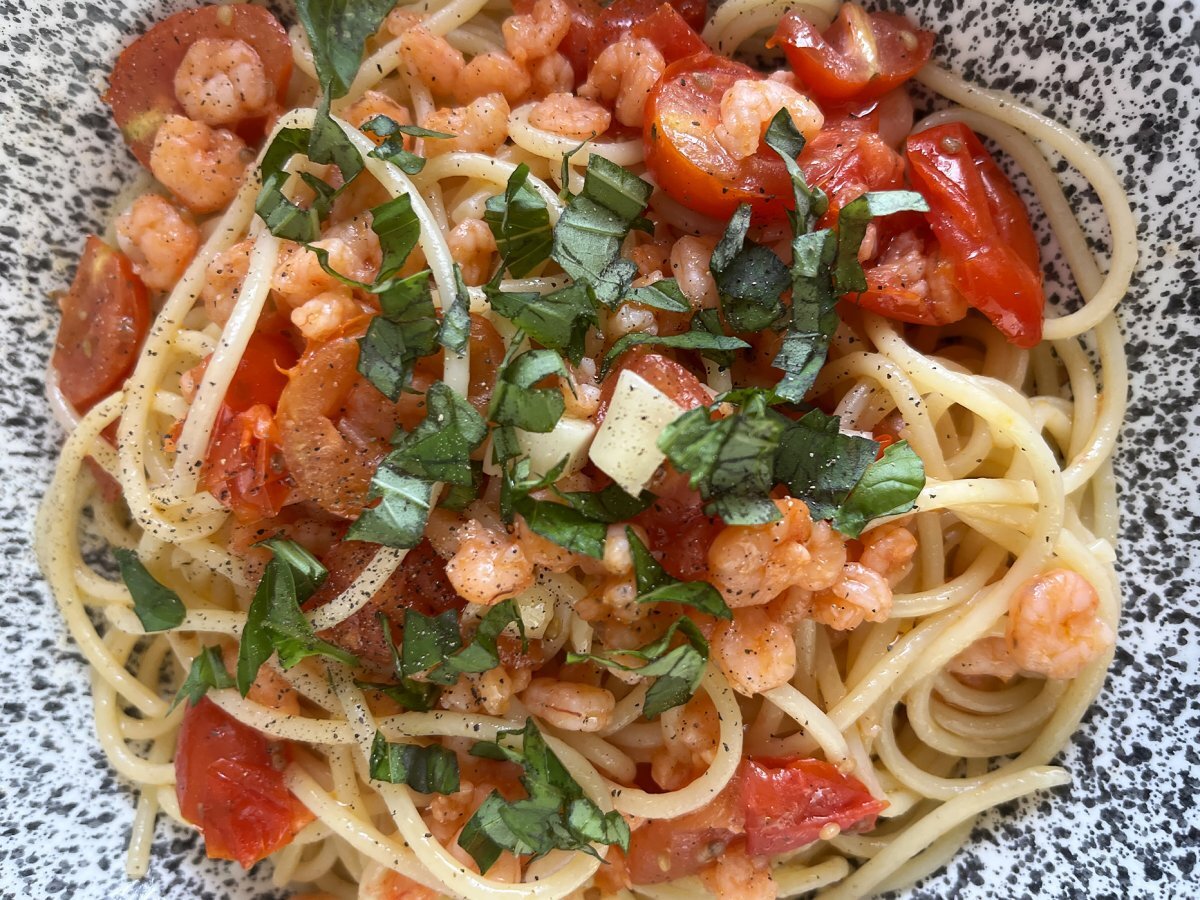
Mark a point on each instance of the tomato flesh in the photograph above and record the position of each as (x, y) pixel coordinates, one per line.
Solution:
(672, 27)
(846, 159)
(670, 377)
(230, 784)
(982, 229)
(141, 89)
(860, 55)
(105, 317)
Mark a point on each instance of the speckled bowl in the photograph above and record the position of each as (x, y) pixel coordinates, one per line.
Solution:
(1122, 72)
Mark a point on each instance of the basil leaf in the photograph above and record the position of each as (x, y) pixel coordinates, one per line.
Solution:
(677, 671)
(275, 623)
(392, 149)
(432, 769)
(337, 30)
(515, 400)
(558, 320)
(750, 278)
(814, 315)
(460, 496)
(415, 696)
(455, 330)
(589, 233)
(207, 671)
(329, 144)
(405, 331)
(520, 223)
(655, 585)
(157, 607)
(784, 138)
(564, 526)
(428, 641)
(662, 294)
(888, 487)
(398, 520)
(853, 219)
(708, 321)
(482, 653)
(689, 340)
(282, 217)
(399, 230)
(610, 504)
(440, 447)
(819, 464)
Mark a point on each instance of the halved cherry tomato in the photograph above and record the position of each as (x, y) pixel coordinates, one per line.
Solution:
(244, 468)
(846, 159)
(105, 316)
(672, 27)
(982, 229)
(141, 89)
(860, 55)
(261, 374)
(910, 280)
(679, 530)
(229, 781)
(686, 159)
(576, 45)
(777, 805)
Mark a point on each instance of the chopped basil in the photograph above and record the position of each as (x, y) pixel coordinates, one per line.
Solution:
(558, 320)
(699, 340)
(440, 447)
(432, 769)
(337, 30)
(455, 330)
(555, 816)
(564, 525)
(398, 520)
(610, 504)
(708, 321)
(676, 670)
(750, 278)
(890, 486)
(433, 648)
(853, 219)
(274, 622)
(515, 400)
(588, 236)
(655, 585)
(328, 143)
(392, 149)
(284, 218)
(819, 464)
(207, 671)
(520, 223)
(404, 331)
(459, 496)
(157, 607)
(814, 314)
(410, 694)
(784, 138)
(663, 294)
(398, 228)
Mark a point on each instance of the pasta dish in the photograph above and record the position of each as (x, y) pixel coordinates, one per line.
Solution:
(573, 450)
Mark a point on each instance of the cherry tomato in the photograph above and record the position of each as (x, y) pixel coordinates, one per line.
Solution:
(229, 781)
(576, 45)
(105, 316)
(689, 163)
(668, 376)
(672, 27)
(141, 90)
(678, 528)
(911, 281)
(860, 55)
(787, 803)
(244, 468)
(846, 159)
(261, 375)
(982, 229)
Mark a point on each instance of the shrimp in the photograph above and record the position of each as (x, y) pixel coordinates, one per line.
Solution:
(551, 75)
(889, 550)
(321, 317)
(752, 564)
(202, 166)
(354, 252)
(544, 553)
(568, 705)
(372, 104)
(158, 239)
(222, 82)
(859, 595)
(689, 265)
(538, 33)
(1054, 627)
(691, 734)
(223, 279)
(629, 319)
(735, 875)
(479, 127)
(570, 116)
(987, 656)
(917, 280)
(313, 417)
(378, 882)
(747, 108)
(755, 652)
(432, 59)
(489, 565)
(472, 244)
(625, 73)
(581, 393)
(490, 73)
(488, 692)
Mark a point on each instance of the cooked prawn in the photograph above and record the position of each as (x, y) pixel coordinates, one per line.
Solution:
(381, 883)
(987, 656)
(1054, 626)
(689, 265)
(538, 33)
(551, 75)
(889, 550)
(570, 116)
(223, 278)
(625, 73)
(325, 314)
(372, 104)
(432, 59)
(159, 240)
(472, 245)
(859, 595)
(222, 82)
(489, 692)
(691, 734)
(755, 652)
(492, 73)
(202, 166)
(735, 875)
(479, 127)
(748, 106)
(568, 705)
(489, 565)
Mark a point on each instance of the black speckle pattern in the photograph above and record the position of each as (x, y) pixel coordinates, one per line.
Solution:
(1125, 74)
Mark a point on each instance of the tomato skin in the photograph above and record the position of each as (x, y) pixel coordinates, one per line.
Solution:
(141, 89)
(859, 56)
(788, 802)
(846, 159)
(261, 374)
(686, 159)
(229, 782)
(982, 229)
(105, 317)
(672, 27)
(668, 376)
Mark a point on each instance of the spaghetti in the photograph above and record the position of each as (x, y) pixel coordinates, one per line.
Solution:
(920, 675)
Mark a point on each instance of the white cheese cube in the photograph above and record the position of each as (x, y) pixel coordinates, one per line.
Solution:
(626, 446)
(570, 438)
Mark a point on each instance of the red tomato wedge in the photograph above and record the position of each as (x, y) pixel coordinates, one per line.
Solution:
(846, 159)
(672, 27)
(261, 375)
(105, 317)
(982, 229)
(229, 781)
(141, 89)
(860, 55)
(777, 805)
(686, 159)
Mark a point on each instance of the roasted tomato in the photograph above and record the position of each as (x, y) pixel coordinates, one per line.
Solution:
(846, 159)
(229, 781)
(105, 316)
(860, 55)
(684, 156)
(672, 27)
(141, 89)
(982, 229)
